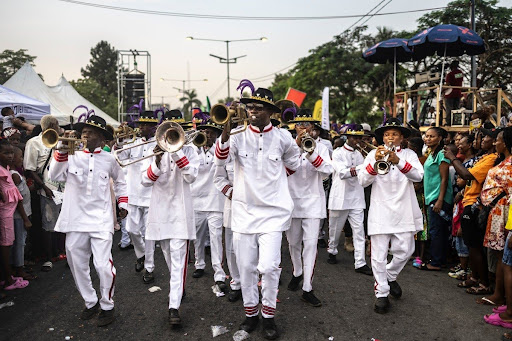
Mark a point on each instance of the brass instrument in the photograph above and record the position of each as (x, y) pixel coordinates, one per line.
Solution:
(125, 133)
(170, 137)
(284, 104)
(51, 138)
(362, 150)
(308, 144)
(200, 139)
(221, 114)
(383, 166)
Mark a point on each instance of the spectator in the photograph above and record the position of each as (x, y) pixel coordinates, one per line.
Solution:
(452, 98)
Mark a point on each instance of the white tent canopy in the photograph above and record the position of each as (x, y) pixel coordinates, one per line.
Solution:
(63, 98)
(29, 108)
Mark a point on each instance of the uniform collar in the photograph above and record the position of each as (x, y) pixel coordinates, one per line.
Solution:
(347, 147)
(96, 151)
(257, 130)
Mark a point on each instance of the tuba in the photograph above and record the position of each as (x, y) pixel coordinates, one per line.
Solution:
(289, 115)
(222, 114)
(50, 138)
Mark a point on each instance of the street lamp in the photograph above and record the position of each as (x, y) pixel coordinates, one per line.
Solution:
(183, 81)
(228, 60)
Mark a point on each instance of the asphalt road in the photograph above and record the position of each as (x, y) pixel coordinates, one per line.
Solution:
(431, 308)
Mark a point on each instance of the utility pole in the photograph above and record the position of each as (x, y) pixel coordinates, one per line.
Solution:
(473, 58)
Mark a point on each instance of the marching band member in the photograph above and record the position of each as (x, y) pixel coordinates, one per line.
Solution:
(138, 195)
(346, 199)
(261, 204)
(208, 207)
(171, 215)
(224, 183)
(86, 216)
(307, 191)
(394, 216)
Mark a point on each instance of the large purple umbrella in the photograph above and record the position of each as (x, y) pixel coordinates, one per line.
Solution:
(391, 50)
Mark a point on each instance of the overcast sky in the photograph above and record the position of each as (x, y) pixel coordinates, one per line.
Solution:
(61, 34)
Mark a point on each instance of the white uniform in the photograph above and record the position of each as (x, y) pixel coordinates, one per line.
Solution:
(394, 215)
(171, 213)
(261, 208)
(346, 200)
(138, 200)
(307, 192)
(208, 207)
(224, 183)
(86, 218)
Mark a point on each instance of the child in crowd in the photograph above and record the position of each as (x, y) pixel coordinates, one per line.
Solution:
(10, 200)
(7, 117)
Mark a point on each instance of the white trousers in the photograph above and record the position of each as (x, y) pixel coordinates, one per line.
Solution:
(136, 226)
(176, 256)
(231, 260)
(402, 247)
(209, 223)
(303, 231)
(79, 247)
(256, 254)
(125, 237)
(337, 219)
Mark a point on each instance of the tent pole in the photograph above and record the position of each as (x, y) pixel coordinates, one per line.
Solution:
(439, 108)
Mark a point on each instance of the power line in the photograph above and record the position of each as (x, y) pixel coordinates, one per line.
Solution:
(229, 17)
(365, 15)
(380, 9)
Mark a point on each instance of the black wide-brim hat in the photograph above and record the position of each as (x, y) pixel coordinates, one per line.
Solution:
(262, 96)
(96, 122)
(210, 124)
(147, 117)
(176, 116)
(356, 130)
(392, 123)
(304, 115)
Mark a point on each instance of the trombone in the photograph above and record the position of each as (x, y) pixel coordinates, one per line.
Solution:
(221, 114)
(362, 150)
(50, 138)
(170, 137)
(125, 132)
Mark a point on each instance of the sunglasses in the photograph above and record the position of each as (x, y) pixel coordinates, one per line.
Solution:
(303, 124)
(255, 107)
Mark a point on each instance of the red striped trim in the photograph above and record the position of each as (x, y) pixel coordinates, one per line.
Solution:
(185, 267)
(289, 171)
(318, 161)
(353, 171)
(226, 189)
(350, 150)
(182, 162)
(266, 130)
(113, 279)
(122, 199)
(268, 310)
(370, 170)
(60, 157)
(221, 154)
(251, 310)
(406, 168)
(151, 175)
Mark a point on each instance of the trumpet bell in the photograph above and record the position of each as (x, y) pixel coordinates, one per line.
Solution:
(170, 137)
(382, 167)
(199, 139)
(284, 104)
(219, 114)
(308, 144)
(50, 138)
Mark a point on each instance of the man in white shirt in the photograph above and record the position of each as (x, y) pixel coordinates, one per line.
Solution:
(307, 192)
(208, 207)
(86, 216)
(171, 216)
(261, 204)
(138, 195)
(394, 216)
(346, 199)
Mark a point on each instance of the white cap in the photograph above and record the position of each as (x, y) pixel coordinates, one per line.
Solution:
(366, 127)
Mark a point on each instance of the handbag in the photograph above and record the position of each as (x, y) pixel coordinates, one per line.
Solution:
(483, 215)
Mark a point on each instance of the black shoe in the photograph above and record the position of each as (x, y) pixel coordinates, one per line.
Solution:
(332, 259)
(127, 247)
(295, 282)
(174, 317)
(207, 250)
(270, 329)
(394, 289)
(148, 277)
(198, 273)
(365, 270)
(222, 286)
(234, 295)
(322, 243)
(88, 313)
(250, 323)
(139, 264)
(381, 305)
(309, 297)
(106, 317)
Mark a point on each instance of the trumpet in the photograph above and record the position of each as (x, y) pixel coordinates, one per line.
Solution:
(221, 114)
(362, 150)
(170, 137)
(125, 132)
(383, 166)
(308, 144)
(50, 138)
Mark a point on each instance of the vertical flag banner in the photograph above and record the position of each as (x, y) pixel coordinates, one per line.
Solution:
(317, 111)
(295, 96)
(325, 109)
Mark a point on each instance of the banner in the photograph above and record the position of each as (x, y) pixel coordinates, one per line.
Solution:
(325, 109)
(295, 96)
(317, 111)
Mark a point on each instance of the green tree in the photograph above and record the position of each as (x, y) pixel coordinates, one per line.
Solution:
(189, 101)
(102, 66)
(11, 61)
(97, 95)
